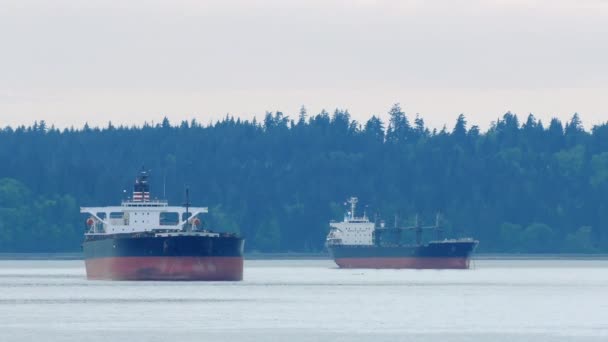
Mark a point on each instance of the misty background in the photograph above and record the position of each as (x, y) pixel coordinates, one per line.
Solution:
(71, 62)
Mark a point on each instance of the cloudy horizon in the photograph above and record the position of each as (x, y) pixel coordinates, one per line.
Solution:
(68, 62)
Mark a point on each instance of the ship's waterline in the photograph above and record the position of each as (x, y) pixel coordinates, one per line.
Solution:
(405, 262)
(165, 268)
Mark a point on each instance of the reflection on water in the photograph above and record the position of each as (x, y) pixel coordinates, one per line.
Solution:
(499, 300)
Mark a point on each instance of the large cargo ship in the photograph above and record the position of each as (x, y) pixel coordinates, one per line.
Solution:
(146, 239)
(356, 242)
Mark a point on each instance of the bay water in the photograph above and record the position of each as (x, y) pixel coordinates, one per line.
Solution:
(311, 300)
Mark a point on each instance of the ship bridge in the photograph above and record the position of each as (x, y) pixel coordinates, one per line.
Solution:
(141, 214)
(352, 230)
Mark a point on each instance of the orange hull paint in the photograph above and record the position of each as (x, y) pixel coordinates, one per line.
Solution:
(397, 263)
(165, 268)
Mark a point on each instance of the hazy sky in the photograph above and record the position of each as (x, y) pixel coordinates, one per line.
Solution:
(70, 62)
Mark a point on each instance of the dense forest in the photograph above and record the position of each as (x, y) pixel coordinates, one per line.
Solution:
(521, 186)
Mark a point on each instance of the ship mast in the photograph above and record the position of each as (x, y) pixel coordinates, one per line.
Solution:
(417, 228)
(187, 205)
(353, 203)
(438, 228)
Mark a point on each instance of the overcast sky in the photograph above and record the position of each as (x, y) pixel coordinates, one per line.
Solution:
(70, 62)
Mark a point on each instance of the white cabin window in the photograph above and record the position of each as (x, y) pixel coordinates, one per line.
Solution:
(119, 218)
(169, 219)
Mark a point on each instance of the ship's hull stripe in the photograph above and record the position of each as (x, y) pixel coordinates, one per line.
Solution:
(175, 246)
(165, 268)
(447, 250)
(405, 262)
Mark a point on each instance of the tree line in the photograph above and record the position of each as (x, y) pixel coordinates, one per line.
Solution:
(520, 186)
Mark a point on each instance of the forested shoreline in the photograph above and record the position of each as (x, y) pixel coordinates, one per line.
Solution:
(522, 186)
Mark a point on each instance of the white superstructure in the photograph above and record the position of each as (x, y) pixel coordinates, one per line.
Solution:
(140, 214)
(352, 230)
(133, 217)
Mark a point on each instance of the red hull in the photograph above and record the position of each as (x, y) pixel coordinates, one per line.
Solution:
(165, 268)
(410, 262)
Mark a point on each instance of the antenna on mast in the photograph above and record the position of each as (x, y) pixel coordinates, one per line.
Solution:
(353, 203)
(438, 229)
(187, 205)
(418, 230)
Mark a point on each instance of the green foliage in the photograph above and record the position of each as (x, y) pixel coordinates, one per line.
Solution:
(268, 236)
(538, 238)
(36, 224)
(511, 236)
(522, 188)
(581, 241)
(221, 221)
(13, 193)
(599, 167)
(571, 161)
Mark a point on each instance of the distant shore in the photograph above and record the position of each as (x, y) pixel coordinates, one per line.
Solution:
(321, 256)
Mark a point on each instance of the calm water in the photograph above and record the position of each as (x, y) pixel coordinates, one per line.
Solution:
(311, 301)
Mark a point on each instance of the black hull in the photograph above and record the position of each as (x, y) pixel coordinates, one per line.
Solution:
(435, 255)
(149, 245)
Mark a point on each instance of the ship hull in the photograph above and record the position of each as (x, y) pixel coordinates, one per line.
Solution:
(164, 258)
(405, 262)
(165, 268)
(435, 255)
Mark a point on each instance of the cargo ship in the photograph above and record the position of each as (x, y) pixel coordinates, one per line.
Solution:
(146, 239)
(357, 242)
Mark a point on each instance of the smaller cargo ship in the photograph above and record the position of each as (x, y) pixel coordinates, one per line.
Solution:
(356, 242)
(146, 239)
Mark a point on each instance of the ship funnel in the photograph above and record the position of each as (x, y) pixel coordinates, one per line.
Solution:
(141, 188)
